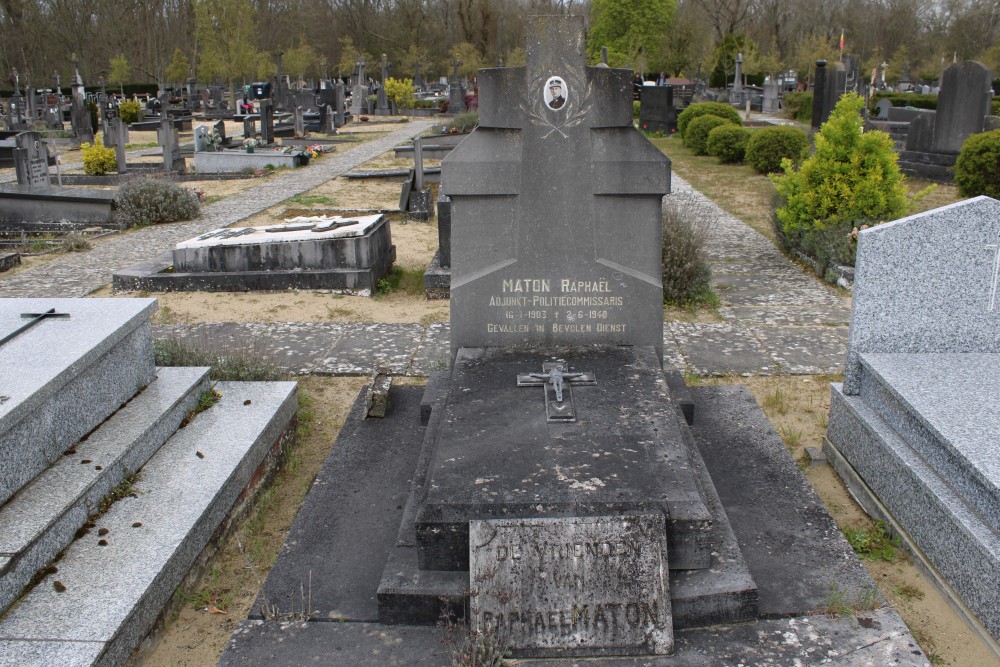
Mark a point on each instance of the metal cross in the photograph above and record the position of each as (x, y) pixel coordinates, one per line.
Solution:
(559, 406)
(36, 318)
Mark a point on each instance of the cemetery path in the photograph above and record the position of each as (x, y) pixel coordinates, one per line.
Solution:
(775, 318)
(79, 274)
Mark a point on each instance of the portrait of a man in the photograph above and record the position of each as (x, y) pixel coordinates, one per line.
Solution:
(555, 93)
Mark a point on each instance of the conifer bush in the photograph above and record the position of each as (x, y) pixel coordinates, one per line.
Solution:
(977, 169)
(148, 201)
(696, 137)
(728, 143)
(768, 146)
(704, 109)
(98, 159)
(852, 179)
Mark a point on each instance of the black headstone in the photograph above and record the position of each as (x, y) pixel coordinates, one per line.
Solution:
(963, 104)
(656, 109)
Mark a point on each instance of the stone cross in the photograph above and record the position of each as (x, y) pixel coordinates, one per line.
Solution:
(166, 136)
(559, 406)
(456, 64)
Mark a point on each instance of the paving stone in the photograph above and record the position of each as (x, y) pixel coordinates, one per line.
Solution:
(434, 350)
(805, 350)
(365, 347)
(721, 349)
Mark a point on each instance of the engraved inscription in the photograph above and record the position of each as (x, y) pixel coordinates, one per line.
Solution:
(557, 306)
(582, 585)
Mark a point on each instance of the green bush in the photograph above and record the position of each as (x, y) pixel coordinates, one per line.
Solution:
(94, 113)
(696, 137)
(799, 106)
(636, 105)
(400, 92)
(977, 169)
(98, 159)
(853, 177)
(147, 201)
(728, 142)
(768, 146)
(129, 111)
(904, 100)
(686, 272)
(703, 109)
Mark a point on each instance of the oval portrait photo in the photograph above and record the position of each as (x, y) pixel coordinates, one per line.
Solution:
(555, 92)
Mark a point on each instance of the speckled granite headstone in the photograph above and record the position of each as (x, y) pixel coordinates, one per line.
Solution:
(927, 283)
(572, 586)
(556, 206)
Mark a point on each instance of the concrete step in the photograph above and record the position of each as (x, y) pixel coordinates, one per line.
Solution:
(113, 582)
(65, 375)
(952, 427)
(41, 520)
(953, 537)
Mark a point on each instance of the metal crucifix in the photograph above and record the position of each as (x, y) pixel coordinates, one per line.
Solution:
(559, 406)
(35, 319)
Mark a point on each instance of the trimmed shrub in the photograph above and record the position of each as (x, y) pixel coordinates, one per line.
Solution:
(400, 92)
(768, 146)
(799, 105)
(148, 201)
(977, 169)
(852, 178)
(696, 137)
(728, 142)
(686, 272)
(129, 111)
(98, 159)
(703, 109)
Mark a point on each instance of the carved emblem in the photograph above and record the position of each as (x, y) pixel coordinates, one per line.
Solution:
(557, 102)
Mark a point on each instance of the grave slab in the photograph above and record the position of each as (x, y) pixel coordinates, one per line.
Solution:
(65, 375)
(115, 591)
(609, 460)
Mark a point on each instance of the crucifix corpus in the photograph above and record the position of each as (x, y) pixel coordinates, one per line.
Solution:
(558, 383)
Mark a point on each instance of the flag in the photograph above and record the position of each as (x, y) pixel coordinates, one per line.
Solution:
(841, 40)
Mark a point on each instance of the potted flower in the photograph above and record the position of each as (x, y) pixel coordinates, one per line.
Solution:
(215, 139)
(250, 143)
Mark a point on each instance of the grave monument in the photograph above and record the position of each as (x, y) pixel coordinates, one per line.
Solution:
(913, 426)
(557, 501)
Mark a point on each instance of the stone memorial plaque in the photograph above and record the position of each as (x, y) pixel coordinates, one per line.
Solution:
(572, 586)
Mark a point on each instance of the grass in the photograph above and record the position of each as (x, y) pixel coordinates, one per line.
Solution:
(872, 542)
(839, 604)
(227, 366)
(408, 281)
(311, 200)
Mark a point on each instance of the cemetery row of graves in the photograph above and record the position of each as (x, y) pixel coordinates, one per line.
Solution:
(559, 423)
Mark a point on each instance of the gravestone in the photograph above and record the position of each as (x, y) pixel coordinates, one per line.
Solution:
(201, 138)
(656, 109)
(267, 122)
(220, 129)
(31, 161)
(339, 104)
(298, 122)
(882, 109)
(79, 114)
(383, 108)
(770, 102)
(359, 94)
(116, 136)
(557, 325)
(915, 418)
(166, 137)
(827, 89)
(963, 105)
(326, 122)
(456, 91)
(418, 79)
(540, 193)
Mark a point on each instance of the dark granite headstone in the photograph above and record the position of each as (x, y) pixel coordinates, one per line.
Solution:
(656, 109)
(338, 104)
(577, 586)
(298, 122)
(444, 229)
(963, 105)
(31, 160)
(220, 128)
(556, 206)
(920, 132)
(266, 122)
